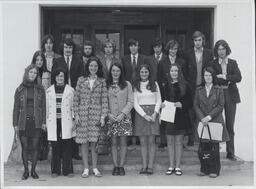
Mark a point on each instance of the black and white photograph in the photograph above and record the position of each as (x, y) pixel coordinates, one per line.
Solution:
(118, 93)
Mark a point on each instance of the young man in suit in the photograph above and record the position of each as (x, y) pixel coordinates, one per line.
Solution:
(130, 64)
(74, 67)
(197, 59)
(228, 74)
(87, 52)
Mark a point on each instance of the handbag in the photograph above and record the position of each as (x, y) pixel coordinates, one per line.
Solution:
(207, 153)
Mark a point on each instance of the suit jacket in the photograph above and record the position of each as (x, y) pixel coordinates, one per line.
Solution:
(212, 105)
(104, 65)
(76, 68)
(154, 64)
(127, 65)
(163, 71)
(233, 76)
(191, 65)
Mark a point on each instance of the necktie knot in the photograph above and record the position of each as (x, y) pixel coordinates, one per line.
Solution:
(158, 57)
(133, 60)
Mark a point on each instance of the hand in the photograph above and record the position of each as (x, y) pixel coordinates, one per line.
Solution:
(153, 116)
(221, 76)
(120, 117)
(178, 105)
(112, 117)
(16, 128)
(77, 120)
(162, 105)
(148, 118)
(44, 127)
(205, 120)
(16, 134)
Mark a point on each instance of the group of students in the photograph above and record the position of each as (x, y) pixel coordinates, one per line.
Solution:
(74, 97)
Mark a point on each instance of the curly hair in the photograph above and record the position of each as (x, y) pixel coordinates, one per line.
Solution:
(221, 43)
(90, 60)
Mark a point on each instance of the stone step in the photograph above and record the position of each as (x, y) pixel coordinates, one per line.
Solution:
(189, 161)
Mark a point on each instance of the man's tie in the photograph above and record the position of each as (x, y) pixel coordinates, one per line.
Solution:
(68, 62)
(158, 58)
(133, 67)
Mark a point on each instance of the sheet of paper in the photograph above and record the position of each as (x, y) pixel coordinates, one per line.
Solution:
(168, 112)
(216, 130)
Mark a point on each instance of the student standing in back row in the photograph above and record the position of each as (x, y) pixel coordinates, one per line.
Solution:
(197, 59)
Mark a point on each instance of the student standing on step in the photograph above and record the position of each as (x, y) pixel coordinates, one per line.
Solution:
(228, 74)
(120, 98)
(208, 105)
(59, 122)
(147, 102)
(178, 92)
(90, 109)
(29, 117)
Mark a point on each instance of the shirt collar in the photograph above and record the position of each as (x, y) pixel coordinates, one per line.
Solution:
(70, 58)
(160, 55)
(199, 50)
(172, 58)
(136, 56)
(225, 60)
(209, 87)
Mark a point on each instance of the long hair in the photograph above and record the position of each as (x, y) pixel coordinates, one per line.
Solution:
(43, 68)
(197, 34)
(26, 77)
(109, 41)
(151, 84)
(44, 41)
(170, 44)
(212, 72)
(57, 72)
(121, 83)
(181, 80)
(221, 43)
(99, 72)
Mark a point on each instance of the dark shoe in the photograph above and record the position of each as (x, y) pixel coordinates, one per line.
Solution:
(54, 175)
(213, 175)
(115, 171)
(178, 171)
(149, 171)
(190, 143)
(231, 157)
(34, 175)
(162, 145)
(143, 171)
(25, 175)
(77, 157)
(201, 174)
(121, 171)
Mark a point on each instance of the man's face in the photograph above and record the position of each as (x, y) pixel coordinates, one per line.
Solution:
(87, 50)
(157, 49)
(67, 50)
(198, 42)
(134, 48)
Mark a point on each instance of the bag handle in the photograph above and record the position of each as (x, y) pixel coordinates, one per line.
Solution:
(200, 140)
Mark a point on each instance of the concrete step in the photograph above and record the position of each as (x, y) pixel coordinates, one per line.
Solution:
(189, 161)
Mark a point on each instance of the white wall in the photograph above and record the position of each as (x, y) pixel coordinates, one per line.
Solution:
(233, 22)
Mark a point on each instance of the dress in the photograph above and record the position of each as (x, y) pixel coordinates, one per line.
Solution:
(90, 105)
(181, 123)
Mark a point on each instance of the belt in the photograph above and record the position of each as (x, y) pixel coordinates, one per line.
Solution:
(30, 117)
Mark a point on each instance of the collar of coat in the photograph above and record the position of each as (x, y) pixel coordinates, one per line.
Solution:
(21, 87)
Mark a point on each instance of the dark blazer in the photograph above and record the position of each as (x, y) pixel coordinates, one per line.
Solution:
(76, 68)
(20, 106)
(212, 105)
(163, 71)
(127, 65)
(191, 65)
(233, 76)
(154, 65)
(104, 66)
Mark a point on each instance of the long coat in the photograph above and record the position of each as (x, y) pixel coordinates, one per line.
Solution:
(212, 105)
(90, 106)
(66, 113)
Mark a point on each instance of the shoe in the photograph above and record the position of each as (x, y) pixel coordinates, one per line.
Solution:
(54, 175)
(143, 171)
(121, 171)
(131, 147)
(231, 157)
(178, 172)
(149, 171)
(77, 157)
(70, 175)
(34, 175)
(85, 174)
(201, 174)
(25, 175)
(213, 175)
(190, 143)
(115, 171)
(96, 172)
(169, 171)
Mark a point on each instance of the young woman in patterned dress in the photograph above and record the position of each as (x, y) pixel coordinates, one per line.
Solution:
(120, 97)
(90, 109)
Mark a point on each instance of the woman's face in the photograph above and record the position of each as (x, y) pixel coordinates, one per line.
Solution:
(222, 52)
(60, 79)
(48, 45)
(32, 73)
(108, 49)
(174, 71)
(39, 61)
(116, 72)
(93, 67)
(208, 77)
(144, 74)
(173, 51)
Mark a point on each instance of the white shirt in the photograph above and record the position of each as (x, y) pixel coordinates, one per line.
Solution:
(223, 63)
(70, 59)
(146, 97)
(172, 59)
(208, 89)
(91, 82)
(198, 53)
(136, 57)
(160, 56)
